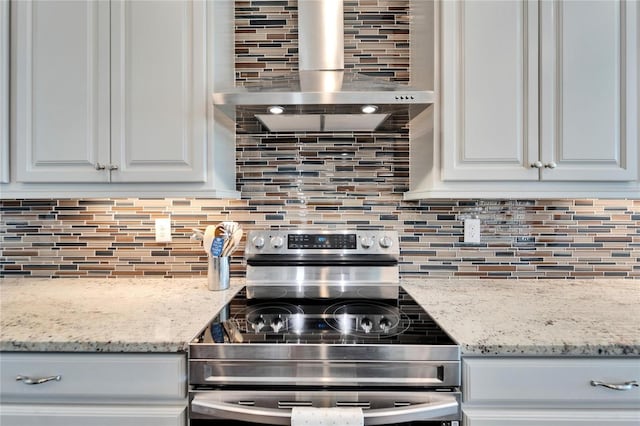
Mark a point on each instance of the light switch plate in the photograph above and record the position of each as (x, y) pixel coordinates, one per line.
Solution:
(163, 230)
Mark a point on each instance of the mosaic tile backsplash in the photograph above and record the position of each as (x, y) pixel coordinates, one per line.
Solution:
(376, 39)
(316, 181)
(324, 181)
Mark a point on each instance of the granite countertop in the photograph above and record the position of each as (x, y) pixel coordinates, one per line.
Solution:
(535, 317)
(486, 317)
(106, 315)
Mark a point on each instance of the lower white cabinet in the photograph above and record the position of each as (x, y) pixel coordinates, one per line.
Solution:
(4, 91)
(94, 415)
(93, 389)
(523, 391)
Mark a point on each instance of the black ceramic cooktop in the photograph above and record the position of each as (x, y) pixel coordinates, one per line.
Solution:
(325, 321)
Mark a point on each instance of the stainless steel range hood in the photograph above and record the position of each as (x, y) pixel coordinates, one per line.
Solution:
(322, 96)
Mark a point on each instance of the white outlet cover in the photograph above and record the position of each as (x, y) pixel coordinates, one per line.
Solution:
(472, 230)
(163, 230)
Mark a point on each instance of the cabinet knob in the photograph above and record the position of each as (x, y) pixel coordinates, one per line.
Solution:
(113, 167)
(536, 165)
(551, 165)
(37, 380)
(619, 387)
(100, 166)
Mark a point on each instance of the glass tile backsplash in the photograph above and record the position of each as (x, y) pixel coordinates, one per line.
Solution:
(320, 181)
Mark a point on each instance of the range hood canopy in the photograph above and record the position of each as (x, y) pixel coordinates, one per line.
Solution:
(322, 96)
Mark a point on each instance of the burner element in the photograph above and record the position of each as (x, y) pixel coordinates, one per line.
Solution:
(367, 319)
(271, 317)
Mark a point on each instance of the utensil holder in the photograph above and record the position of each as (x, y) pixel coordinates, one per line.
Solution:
(218, 273)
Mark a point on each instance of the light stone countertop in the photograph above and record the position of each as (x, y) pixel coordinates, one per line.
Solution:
(535, 317)
(106, 315)
(486, 317)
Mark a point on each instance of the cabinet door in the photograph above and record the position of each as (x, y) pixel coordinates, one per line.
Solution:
(4, 90)
(489, 90)
(589, 91)
(159, 97)
(550, 417)
(94, 415)
(61, 90)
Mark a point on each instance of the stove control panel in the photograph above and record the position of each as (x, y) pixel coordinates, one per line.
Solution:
(322, 241)
(310, 241)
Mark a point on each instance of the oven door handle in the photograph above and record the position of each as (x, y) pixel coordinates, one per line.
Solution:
(278, 416)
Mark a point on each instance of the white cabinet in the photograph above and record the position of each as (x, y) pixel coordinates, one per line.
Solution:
(112, 93)
(61, 99)
(96, 389)
(589, 90)
(4, 91)
(523, 391)
(537, 98)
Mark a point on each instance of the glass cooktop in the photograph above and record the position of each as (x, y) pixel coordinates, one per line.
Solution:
(285, 320)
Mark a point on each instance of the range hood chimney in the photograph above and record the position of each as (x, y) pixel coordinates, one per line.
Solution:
(321, 45)
(322, 97)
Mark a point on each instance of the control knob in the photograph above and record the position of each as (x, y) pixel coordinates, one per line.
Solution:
(385, 324)
(386, 242)
(258, 324)
(366, 324)
(276, 242)
(258, 242)
(366, 242)
(276, 324)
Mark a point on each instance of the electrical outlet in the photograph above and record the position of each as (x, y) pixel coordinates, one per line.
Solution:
(472, 230)
(163, 230)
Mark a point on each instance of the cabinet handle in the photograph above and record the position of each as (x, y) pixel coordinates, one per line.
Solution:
(621, 387)
(113, 167)
(551, 165)
(536, 165)
(37, 380)
(100, 166)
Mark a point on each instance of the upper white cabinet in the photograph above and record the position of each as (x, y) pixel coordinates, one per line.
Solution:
(589, 90)
(537, 98)
(111, 93)
(61, 83)
(489, 101)
(158, 91)
(4, 90)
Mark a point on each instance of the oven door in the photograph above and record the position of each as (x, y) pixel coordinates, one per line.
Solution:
(265, 407)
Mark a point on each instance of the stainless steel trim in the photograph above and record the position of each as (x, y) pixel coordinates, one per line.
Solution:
(321, 35)
(318, 290)
(386, 407)
(323, 352)
(616, 386)
(415, 100)
(328, 275)
(424, 374)
(374, 236)
(37, 380)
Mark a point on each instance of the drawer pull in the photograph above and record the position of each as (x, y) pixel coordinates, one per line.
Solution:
(621, 387)
(37, 380)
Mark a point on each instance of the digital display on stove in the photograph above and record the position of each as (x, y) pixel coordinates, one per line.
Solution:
(322, 241)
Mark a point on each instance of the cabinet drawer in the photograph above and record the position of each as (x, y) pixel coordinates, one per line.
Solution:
(90, 376)
(551, 417)
(549, 380)
(94, 415)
